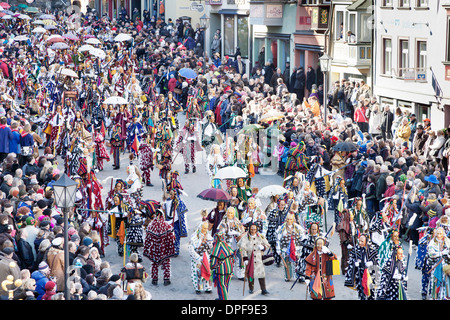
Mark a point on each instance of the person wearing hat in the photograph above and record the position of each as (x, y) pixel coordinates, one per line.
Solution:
(50, 290)
(41, 276)
(433, 186)
(55, 260)
(419, 140)
(8, 266)
(427, 125)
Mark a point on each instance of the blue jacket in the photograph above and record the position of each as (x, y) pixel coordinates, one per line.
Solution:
(26, 140)
(41, 280)
(14, 144)
(6, 136)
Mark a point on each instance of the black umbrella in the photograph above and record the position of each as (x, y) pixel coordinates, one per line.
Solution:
(345, 146)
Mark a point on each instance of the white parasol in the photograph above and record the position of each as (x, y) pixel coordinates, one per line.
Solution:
(272, 190)
(115, 100)
(230, 172)
(122, 37)
(93, 41)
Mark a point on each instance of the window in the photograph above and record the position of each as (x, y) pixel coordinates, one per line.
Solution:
(242, 35)
(352, 23)
(403, 62)
(387, 3)
(339, 25)
(365, 30)
(447, 55)
(404, 3)
(421, 55)
(387, 58)
(229, 48)
(422, 3)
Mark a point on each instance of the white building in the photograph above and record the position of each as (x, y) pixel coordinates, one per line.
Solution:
(351, 41)
(412, 57)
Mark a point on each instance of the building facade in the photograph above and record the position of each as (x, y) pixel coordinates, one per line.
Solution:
(412, 64)
(351, 41)
(273, 26)
(230, 19)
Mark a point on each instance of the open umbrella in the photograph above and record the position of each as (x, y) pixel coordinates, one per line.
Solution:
(60, 46)
(115, 100)
(70, 36)
(345, 146)
(39, 30)
(21, 38)
(187, 73)
(271, 116)
(272, 190)
(68, 73)
(22, 6)
(99, 53)
(49, 22)
(85, 47)
(54, 39)
(250, 128)
(47, 17)
(38, 22)
(230, 173)
(50, 27)
(24, 17)
(213, 194)
(93, 41)
(31, 10)
(7, 17)
(5, 5)
(122, 37)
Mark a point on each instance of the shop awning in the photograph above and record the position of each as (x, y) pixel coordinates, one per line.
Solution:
(240, 12)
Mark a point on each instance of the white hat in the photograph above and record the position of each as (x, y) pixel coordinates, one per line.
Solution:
(57, 241)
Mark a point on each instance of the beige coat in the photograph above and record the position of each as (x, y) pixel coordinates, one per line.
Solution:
(55, 260)
(249, 244)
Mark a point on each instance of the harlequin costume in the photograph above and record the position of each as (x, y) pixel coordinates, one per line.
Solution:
(296, 161)
(117, 146)
(222, 261)
(101, 154)
(135, 231)
(188, 143)
(146, 161)
(159, 246)
(200, 246)
(176, 210)
(321, 285)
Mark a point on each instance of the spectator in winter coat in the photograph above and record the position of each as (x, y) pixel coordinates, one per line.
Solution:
(6, 136)
(41, 276)
(14, 143)
(390, 187)
(24, 250)
(50, 290)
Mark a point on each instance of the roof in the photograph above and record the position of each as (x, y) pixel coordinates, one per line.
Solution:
(360, 5)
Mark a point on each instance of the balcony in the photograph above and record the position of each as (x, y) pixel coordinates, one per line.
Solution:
(357, 55)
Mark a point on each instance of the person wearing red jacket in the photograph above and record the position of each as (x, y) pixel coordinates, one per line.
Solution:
(361, 118)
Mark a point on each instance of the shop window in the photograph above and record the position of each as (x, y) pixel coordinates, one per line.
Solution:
(229, 48)
(242, 35)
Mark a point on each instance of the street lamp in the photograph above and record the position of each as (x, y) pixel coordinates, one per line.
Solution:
(64, 190)
(325, 66)
(204, 22)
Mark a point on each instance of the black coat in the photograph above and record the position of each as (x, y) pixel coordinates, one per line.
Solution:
(25, 254)
(299, 80)
(310, 79)
(386, 123)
